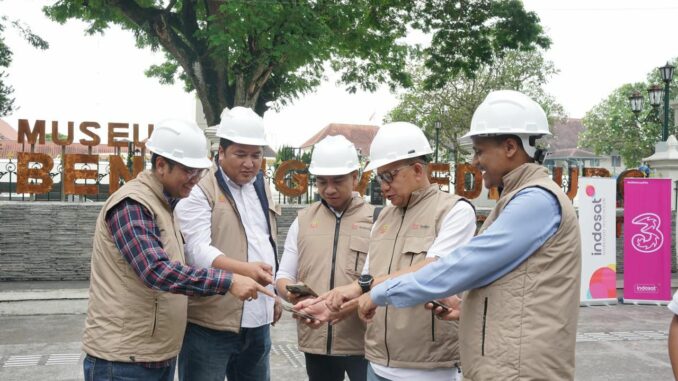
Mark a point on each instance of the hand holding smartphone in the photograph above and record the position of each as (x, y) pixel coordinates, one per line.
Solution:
(287, 306)
(301, 290)
(441, 305)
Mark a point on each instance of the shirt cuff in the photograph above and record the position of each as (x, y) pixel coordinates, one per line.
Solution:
(284, 275)
(673, 306)
(224, 279)
(204, 257)
(378, 293)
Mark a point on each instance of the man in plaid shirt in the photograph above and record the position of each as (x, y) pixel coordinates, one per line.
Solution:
(139, 281)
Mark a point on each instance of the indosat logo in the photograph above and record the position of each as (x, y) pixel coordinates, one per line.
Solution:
(647, 288)
(597, 233)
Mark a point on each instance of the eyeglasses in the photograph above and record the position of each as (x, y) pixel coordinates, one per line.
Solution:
(387, 177)
(193, 172)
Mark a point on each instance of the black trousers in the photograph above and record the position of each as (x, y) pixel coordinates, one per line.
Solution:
(332, 368)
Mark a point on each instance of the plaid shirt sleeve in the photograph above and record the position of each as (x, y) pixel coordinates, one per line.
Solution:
(137, 237)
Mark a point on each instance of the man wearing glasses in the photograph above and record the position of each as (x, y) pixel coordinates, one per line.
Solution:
(522, 272)
(229, 221)
(422, 224)
(137, 304)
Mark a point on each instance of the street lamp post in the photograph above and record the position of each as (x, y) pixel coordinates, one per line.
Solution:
(437, 126)
(666, 72)
(636, 99)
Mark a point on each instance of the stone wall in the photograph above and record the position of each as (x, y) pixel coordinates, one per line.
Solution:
(53, 240)
(46, 240)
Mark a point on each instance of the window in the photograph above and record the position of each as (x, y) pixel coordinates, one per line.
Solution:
(616, 161)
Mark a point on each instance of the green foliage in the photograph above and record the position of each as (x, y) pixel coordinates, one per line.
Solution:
(6, 91)
(612, 127)
(48, 136)
(263, 54)
(454, 103)
(284, 153)
(288, 153)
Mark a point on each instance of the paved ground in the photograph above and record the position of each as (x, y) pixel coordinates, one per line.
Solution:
(621, 342)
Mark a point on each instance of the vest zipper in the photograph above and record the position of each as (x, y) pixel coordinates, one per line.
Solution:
(155, 316)
(482, 343)
(357, 255)
(337, 224)
(390, 263)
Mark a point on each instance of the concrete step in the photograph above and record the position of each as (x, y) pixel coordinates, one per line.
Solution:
(43, 298)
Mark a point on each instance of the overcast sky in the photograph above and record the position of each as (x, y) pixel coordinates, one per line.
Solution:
(597, 46)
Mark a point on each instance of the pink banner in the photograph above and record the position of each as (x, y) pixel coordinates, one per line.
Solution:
(647, 240)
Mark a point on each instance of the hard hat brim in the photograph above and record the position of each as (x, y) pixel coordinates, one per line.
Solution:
(201, 163)
(381, 162)
(330, 171)
(245, 141)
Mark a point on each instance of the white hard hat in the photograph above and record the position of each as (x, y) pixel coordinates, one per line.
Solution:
(509, 112)
(181, 141)
(397, 141)
(242, 125)
(334, 155)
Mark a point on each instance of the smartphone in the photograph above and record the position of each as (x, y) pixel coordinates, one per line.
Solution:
(289, 307)
(438, 304)
(301, 290)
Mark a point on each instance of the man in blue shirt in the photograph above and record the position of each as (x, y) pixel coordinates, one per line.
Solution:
(522, 272)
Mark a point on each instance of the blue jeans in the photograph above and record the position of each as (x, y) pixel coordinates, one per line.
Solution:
(97, 369)
(210, 355)
(371, 376)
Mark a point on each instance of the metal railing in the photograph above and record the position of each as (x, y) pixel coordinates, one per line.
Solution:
(9, 175)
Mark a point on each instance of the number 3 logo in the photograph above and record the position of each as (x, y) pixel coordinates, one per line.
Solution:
(650, 239)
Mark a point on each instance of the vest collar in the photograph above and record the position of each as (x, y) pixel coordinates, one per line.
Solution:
(355, 204)
(421, 194)
(150, 180)
(522, 175)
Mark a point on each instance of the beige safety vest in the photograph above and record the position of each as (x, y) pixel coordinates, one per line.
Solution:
(224, 312)
(523, 326)
(409, 337)
(126, 320)
(332, 253)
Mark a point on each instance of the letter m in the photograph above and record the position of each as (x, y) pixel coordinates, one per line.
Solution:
(25, 133)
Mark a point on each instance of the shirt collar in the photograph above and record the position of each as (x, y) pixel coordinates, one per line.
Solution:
(231, 183)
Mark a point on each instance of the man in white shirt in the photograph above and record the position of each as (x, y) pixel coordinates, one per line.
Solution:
(422, 224)
(229, 222)
(326, 247)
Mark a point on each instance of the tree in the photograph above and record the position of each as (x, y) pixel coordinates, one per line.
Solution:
(612, 127)
(264, 53)
(6, 91)
(286, 153)
(454, 103)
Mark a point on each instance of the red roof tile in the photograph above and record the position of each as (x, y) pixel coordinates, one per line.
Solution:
(360, 135)
(7, 132)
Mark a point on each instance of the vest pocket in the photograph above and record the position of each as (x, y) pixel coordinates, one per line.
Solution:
(415, 248)
(482, 342)
(155, 316)
(358, 252)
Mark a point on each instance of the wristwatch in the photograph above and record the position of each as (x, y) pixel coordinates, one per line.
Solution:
(365, 282)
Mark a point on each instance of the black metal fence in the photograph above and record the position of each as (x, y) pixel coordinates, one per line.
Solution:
(8, 184)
